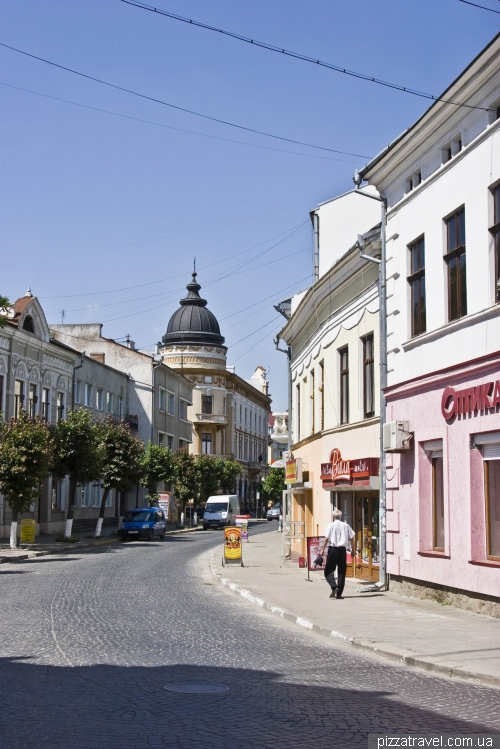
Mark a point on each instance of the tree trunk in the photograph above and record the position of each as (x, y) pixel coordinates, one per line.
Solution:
(98, 527)
(13, 530)
(71, 508)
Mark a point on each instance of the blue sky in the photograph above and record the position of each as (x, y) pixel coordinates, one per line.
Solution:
(102, 215)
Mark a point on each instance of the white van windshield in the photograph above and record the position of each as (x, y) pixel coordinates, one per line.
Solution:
(216, 507)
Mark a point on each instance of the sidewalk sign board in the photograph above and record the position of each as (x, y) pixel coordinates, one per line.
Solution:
(164, 502)
(27, 531)
(314, 546)
(241, 521)
(233, 551)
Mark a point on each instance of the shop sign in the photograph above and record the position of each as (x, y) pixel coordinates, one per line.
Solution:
(470, 400)
(232, 544)
(164, 502)
(293, 471)
(343, 471)
(27, 531)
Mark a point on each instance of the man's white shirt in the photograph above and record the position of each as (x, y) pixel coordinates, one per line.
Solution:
(339, 533)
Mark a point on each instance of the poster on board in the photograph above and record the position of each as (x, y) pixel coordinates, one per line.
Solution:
(314, 546)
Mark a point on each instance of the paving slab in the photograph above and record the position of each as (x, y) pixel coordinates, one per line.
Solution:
(418, 633)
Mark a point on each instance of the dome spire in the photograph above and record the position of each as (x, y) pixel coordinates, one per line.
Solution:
(193, 322)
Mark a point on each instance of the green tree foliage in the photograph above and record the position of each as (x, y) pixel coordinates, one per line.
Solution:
(228, 471)
(274, 484)
(186, 482)
(78, 453)
(208, 470)
(25, 457)
(4, 307)
(123, 460)
(158, 464)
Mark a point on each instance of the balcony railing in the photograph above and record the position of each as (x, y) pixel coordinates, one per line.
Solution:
(212, 418)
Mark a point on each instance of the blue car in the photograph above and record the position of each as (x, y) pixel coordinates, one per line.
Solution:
(144, 523)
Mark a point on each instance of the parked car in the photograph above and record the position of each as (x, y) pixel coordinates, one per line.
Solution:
(144, 523)
(274, 512)
(220, 511)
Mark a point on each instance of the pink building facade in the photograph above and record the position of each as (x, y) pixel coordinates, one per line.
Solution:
(443, 493)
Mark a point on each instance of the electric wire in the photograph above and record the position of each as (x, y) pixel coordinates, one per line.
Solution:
(483, 7)
(252, 347)
(175, 106)
(298, 55)
(178, 129)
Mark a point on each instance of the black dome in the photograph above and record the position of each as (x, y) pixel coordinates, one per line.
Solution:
(193, 322)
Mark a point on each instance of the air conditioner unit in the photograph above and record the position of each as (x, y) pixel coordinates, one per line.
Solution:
(397, 438)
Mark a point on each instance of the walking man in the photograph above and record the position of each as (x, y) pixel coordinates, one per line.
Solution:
(337, 535)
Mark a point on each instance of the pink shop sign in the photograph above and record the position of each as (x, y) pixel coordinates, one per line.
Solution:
(470, 400)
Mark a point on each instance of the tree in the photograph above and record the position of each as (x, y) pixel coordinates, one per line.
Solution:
(123, 461)
(157, 465)
(187, 477)
(4, 307)
(228, 471)
(78, 453)
(274, 484)
(25, 456)
(209, 472)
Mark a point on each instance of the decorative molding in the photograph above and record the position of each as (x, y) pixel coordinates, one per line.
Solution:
(57, 363)
(4, 342)
(3, 365)
(62, 383)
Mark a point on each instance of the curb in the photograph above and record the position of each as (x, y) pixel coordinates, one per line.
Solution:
(398, 655)
(78, 546)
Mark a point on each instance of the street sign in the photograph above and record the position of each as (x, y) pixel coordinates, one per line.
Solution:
(27, 531)
(233, 551)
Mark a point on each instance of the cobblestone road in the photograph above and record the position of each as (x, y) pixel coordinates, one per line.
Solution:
(87, 642)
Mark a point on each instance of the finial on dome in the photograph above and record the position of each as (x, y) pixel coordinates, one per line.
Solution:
(28, 292)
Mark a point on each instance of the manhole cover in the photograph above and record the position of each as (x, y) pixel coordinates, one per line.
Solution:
(193, 687)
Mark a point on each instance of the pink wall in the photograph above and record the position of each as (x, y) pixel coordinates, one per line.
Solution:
(463, 563)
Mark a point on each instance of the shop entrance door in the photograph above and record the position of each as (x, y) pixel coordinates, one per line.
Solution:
(367, 538)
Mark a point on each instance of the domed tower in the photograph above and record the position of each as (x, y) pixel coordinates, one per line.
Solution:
(193, 338)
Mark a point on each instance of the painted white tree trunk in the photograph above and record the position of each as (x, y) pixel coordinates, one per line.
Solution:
(98, 527)
(13, 534)
(69, 526)
(182, 520)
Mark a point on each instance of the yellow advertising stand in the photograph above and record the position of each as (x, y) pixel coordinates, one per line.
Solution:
(27, 531)
(233, 550)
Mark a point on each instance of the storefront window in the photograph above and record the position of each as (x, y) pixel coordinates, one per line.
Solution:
(438, 504)
(492, 486)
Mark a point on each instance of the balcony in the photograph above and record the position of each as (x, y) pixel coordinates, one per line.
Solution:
(211, 418)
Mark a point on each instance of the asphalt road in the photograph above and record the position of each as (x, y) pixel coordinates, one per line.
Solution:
(88, 640)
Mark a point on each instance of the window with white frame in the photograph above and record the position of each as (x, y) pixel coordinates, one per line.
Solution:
(170, 403)
(61, 404)
(88, 394)
(183, 410)
(32, 400)
(86, 495)
(166, 440)
(45, 404)
(120, 406)
(162, 399)
(78, 391)
(18, 397)
(97, 492)
(110, 403)
(99, 399)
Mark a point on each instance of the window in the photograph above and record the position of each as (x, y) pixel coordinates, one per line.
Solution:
(298, 412)
(45, 404)
(33, 400)
(241, 412)
(206, 443)
(455, 260)
(206, 404)
(99, 399)
(162, 399)
(312, 386)
(2, 390)
(171, 403)
(495, 231)
(492, 487)
(18, 397)
(416, 280)
(224, 405)
(166, 440)
(184, 445)
(437, 503)
(322, 395)
(183, 410)
(368, 376)
(97, 495)
(28, 324)
(110, 403)
(246, 416)
(88, 394)
(60, 407)
(86, 495)
(77, 391)
(120, 406)
(344, 385)
(109, 499)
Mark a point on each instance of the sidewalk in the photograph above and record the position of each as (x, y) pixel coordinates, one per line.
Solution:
(417, 633)
(45, 545)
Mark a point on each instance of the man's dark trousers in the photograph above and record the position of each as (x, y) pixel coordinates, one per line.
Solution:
(336, 559)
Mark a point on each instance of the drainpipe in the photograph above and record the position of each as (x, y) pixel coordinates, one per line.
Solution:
(286, 504)
(316, 246)
(78, 366)
(357, 179)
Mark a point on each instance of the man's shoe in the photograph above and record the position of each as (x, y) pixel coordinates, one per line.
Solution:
(332, 594)
(339, 598)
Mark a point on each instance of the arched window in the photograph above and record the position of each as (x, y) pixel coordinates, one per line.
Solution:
(28, 324)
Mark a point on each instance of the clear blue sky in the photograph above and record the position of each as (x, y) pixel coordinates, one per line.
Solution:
(93, 203)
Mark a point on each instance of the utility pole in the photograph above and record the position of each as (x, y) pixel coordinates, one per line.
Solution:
(63, 315)
(382, 276)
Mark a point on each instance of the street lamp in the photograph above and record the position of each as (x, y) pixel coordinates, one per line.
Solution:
(382, 282)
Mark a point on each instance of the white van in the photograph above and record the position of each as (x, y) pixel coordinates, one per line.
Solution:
(220, 510)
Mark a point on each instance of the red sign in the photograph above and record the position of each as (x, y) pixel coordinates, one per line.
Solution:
(470, 400)
(342, 471)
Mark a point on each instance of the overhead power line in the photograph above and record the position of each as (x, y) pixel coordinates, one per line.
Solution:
(299, 56)
(178, 129)
(175, 106)
(483, 7)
